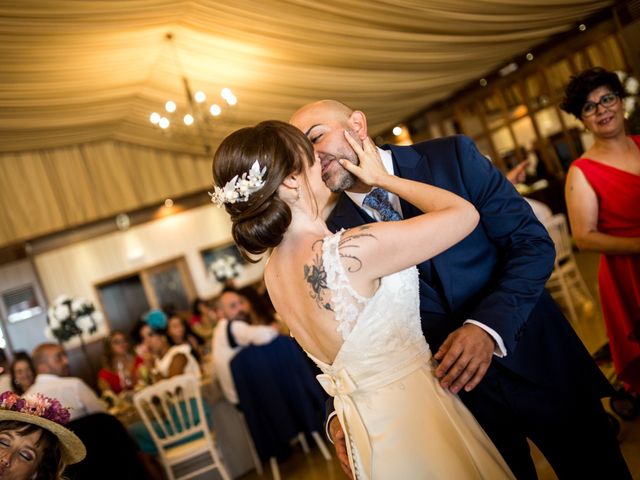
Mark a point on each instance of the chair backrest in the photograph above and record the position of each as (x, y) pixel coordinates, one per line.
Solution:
(559, 233)
(172, 411)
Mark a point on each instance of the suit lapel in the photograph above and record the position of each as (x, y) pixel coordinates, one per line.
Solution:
(347, 215)
(410, 164)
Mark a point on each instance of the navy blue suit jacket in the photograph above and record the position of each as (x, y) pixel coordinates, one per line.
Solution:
(496, 275)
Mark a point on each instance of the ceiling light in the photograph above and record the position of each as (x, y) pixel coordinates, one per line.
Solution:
(193, 109)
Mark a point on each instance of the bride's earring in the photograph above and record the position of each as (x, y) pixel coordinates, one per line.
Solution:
(298, 193)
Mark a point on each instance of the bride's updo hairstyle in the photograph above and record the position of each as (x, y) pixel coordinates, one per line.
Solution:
(260, 222)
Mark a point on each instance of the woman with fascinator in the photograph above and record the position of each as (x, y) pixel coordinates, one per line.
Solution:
(34, 444)
(163, 359)
(351, 300)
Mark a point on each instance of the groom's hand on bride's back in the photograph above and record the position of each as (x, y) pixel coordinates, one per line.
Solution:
(464, 358)
(339, 441)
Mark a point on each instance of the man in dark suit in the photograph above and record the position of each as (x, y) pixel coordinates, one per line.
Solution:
(500, 340)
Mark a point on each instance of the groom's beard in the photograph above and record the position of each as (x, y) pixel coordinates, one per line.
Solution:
(334, 175)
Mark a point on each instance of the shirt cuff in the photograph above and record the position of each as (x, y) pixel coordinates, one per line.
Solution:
(500, 350)
(326, 426)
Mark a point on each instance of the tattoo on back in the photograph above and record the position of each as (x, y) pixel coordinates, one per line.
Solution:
(316, 277)
(315, 273)
(346, 246)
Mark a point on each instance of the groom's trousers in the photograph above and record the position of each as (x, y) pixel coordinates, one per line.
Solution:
(574, 434)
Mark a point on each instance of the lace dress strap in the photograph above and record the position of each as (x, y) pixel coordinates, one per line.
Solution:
(347, 303)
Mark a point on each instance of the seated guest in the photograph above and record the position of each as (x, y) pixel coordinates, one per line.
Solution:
(203, 318)
(518, 175)
(104, 436)
(22, 371)
(34, 444)
(179, 332)
(233, 332)
(53, 380)
(165, 361)
(119, 370)
(260, 308)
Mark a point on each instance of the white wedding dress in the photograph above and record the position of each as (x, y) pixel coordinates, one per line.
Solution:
(399, 422)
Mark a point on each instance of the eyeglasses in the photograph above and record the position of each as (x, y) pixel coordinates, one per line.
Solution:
(607, 100)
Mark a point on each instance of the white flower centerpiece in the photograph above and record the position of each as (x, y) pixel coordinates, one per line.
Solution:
(68, 317)
(632, 112)
(225, 268)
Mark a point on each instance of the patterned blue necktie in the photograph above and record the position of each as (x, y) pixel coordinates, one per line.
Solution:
(378, 200)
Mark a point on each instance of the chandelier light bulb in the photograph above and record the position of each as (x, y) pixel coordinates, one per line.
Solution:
(231, 99)
(200, 96)
(226, 93)
(164, 122)
(397, 131)
(154, 118)
(170, 106)
(188, 119)
(215, 110)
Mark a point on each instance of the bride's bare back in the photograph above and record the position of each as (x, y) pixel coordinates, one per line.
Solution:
(296, 279)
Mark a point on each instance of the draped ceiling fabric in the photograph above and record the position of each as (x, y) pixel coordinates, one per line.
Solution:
(78, 80)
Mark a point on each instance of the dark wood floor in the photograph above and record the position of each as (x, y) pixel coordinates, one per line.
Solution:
(591, 330)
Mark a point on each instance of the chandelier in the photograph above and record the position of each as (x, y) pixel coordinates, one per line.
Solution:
(200, 111)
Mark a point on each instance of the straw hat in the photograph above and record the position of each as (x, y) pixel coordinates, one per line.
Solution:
(47, 413)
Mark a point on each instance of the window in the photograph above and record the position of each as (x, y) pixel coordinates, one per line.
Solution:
(21, 304)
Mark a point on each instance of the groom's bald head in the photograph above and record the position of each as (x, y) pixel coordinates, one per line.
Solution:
(324, 124)
(322, 110)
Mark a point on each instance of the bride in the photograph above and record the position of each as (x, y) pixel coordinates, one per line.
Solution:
(351, 300)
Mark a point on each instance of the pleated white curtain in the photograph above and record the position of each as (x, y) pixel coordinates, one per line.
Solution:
(47, 190)
(79, 76)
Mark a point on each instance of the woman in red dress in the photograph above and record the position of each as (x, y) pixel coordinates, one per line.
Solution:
(603, 200)
(119, 371)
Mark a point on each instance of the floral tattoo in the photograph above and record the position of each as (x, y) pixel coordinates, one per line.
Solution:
(316, 275)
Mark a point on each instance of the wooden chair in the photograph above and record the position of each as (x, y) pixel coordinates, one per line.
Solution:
(566, 284)
(173, 413)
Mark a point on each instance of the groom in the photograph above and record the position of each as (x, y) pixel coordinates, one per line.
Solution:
(501, 342)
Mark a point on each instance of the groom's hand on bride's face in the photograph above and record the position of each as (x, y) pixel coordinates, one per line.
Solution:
(464, 358)
(337, 436)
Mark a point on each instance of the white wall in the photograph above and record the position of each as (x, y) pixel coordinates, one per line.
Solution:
(27, 333)
(76, 268)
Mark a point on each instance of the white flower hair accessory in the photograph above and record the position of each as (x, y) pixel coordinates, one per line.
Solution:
(239, 189)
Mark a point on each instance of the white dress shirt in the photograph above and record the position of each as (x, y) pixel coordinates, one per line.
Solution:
(358, 199)
(222, 352)
(71, 392)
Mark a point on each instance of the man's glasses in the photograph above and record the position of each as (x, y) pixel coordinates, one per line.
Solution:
(607, 100)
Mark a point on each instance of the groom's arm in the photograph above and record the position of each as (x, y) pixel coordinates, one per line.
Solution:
(525, 251)
(525, 255)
